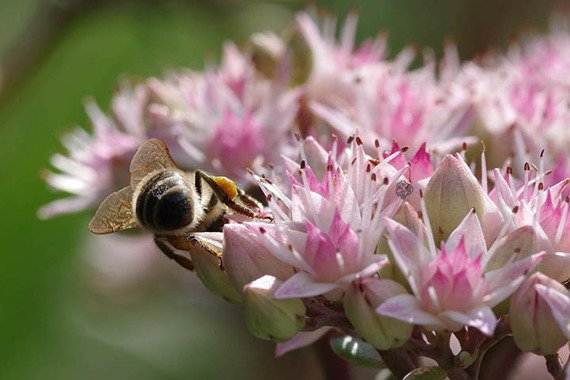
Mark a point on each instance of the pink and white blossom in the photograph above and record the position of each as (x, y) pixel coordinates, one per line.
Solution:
(450, 286)
(328, 228)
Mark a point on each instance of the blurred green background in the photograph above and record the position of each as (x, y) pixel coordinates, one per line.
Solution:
(55, 323)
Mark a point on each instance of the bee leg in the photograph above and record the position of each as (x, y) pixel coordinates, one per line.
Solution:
(169, 252)
(225, 199)
(248, 200)
(202, 244)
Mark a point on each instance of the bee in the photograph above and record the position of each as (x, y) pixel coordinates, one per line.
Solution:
(172, 204)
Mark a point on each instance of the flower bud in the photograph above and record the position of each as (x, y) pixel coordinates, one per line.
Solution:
(208, 266)
(534, 326)
(301, 58)
(360, 303)
(518, 244)
(267, 50)
(246, 258)
(450, 194)
(268, 318)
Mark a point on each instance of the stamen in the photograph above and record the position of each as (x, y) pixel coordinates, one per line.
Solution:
(526, 178)
(562, 223)
(484, 169)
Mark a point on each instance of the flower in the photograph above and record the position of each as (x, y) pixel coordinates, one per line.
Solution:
(98, 164)
(450, 286)
(411, 107)
(329, 228)
(226, 120)
(335, 65)
(542, 211)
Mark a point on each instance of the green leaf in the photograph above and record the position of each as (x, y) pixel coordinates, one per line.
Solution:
(426, 373)
(356, 351)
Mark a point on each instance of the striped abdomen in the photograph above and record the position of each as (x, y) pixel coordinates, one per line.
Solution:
(165, 202)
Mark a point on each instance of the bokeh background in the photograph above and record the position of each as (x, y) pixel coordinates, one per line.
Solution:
(60, 318)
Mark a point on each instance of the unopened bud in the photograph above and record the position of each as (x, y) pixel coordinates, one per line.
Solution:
(267, 50)
(534, 326)
(360, 304)
(206, 256)
(450, 194)
(268, 318)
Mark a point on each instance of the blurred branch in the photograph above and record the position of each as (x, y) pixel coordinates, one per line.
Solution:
(44, 28)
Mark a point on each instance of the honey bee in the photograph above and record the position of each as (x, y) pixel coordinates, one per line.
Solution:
(172, 204)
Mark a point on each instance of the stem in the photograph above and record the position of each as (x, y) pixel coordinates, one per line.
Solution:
(334, 367)
(554, 366)
(502, 330)
(398, 361)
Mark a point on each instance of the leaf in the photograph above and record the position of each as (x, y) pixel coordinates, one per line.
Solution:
(356, 351)
(426, 373)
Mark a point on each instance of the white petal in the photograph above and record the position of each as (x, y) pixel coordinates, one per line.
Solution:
(482, 318)
(470, 229)
(302, 285)
(503, 282)
(302, 339)
(405, 307)
(559, 304)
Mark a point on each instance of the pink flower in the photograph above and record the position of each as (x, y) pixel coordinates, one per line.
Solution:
(410, 107)
(329, 228)
(335, 65)
(450, 286)
(226, 120)
(98, 164)
(543, 210)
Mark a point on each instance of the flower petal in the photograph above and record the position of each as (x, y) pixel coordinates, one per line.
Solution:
(302, 285)
(406, 307)
(482, 318)
(559, 304)
(302, 339)
(470, 230)
(503, 282)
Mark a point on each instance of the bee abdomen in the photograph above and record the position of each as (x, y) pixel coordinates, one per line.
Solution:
(165, 203)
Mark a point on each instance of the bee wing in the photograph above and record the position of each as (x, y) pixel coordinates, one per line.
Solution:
(151, 156)
(115, 213)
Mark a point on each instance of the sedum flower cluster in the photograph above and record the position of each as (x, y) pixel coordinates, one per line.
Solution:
(409, 208)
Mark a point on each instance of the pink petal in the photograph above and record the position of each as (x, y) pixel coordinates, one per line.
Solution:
(321, 254)
(559, 304)
(302, 285)
(276, 244)
(406, 307)
(501, 283)
(409, 254)
(421, 166)
(247, 259)
(370, 270)
(469, 230)
(302, 339)
(482, 318)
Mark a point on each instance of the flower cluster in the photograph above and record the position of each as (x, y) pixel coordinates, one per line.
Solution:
(380, 221)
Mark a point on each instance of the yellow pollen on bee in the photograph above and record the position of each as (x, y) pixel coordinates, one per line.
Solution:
(227, 186)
